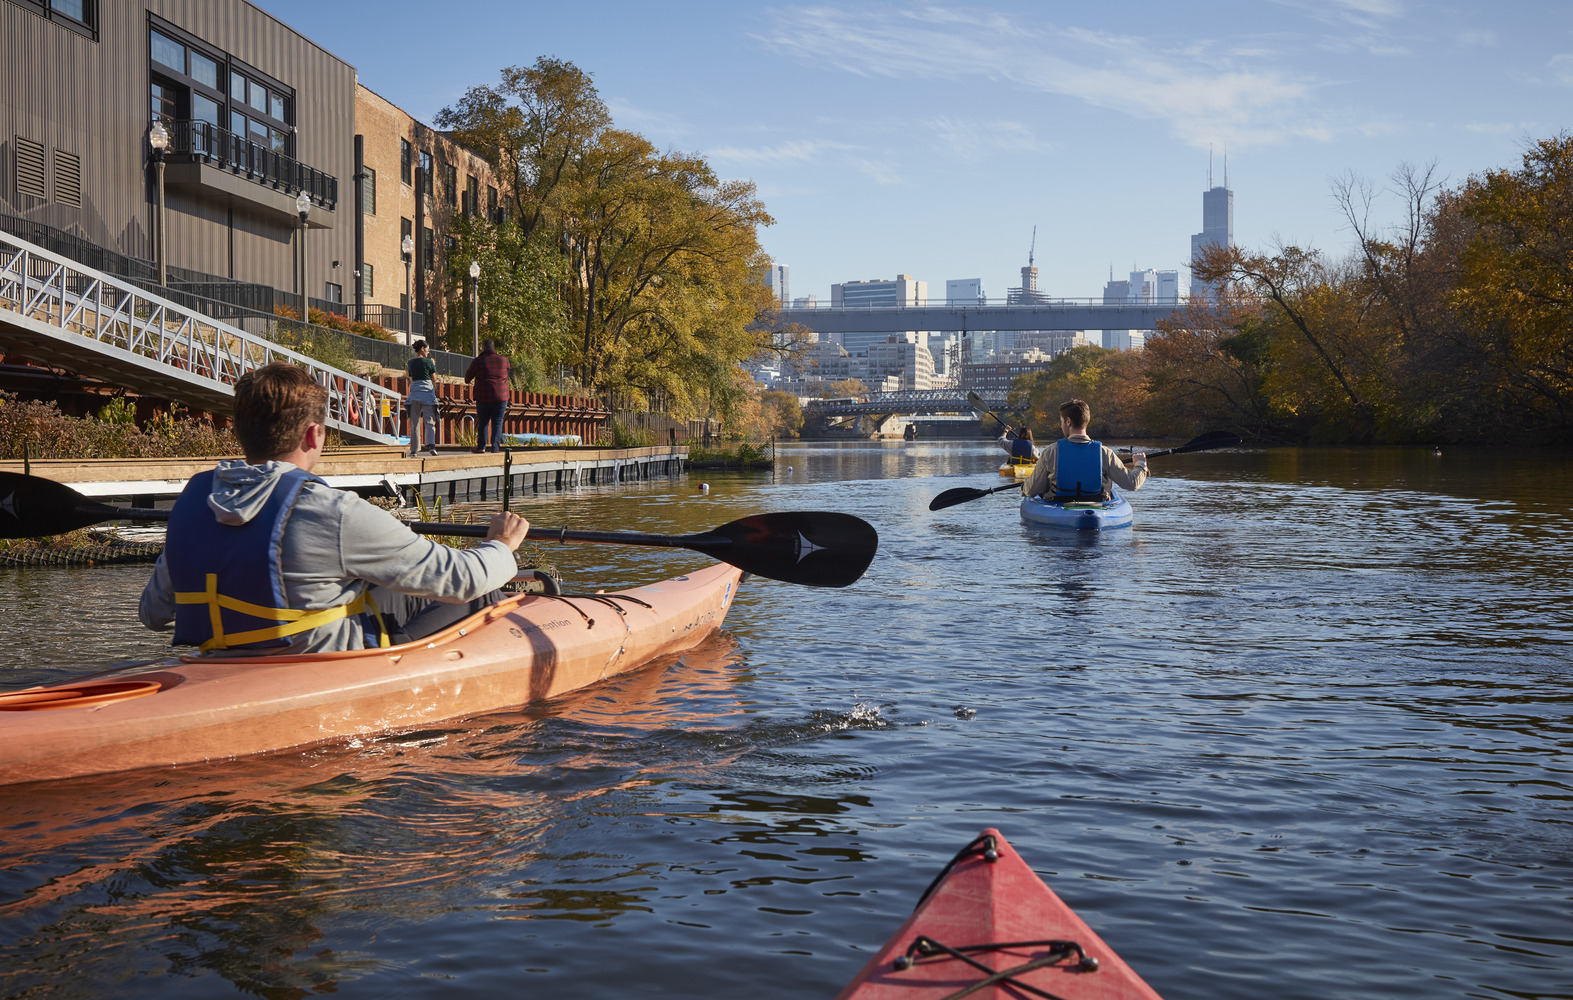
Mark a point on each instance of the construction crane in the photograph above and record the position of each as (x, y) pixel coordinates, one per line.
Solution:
(1032, 249)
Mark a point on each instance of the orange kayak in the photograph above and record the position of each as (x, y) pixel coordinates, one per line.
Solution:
(195, 708)
(989, 929)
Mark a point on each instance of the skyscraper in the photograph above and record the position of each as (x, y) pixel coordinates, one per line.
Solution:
(1217, 223)
(904, 291)
(778, 280)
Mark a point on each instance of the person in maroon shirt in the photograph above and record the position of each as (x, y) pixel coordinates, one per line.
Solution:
(489, 371)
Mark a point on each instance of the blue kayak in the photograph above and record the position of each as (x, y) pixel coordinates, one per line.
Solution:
(1078, 515)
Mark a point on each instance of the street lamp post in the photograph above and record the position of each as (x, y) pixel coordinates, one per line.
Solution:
(475, 305)
(303, 206)
(158, 141)
(407, 248)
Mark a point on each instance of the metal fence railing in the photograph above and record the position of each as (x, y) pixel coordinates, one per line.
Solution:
(244, 303)
(125, 327)
(206, 142)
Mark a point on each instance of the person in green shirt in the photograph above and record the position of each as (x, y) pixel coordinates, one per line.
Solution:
(422, 401)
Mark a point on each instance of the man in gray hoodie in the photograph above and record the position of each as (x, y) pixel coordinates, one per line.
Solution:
(264, 558)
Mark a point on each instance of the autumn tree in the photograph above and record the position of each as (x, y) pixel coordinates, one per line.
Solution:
(660, 275)
(520, 309)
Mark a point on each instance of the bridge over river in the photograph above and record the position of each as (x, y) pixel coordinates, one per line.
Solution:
(1060, 314)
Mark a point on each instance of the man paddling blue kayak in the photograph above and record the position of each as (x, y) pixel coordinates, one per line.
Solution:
(262, 557)
(1078, 468)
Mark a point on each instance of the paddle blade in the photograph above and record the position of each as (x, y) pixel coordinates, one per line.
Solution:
(951, 498)
(31, 507)
(976, 402)
(1204, 442)
(813, 548)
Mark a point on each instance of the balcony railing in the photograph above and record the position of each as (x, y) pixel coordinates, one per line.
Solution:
(205, 142)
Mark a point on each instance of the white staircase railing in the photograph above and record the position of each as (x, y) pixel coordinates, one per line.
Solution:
(51, 306)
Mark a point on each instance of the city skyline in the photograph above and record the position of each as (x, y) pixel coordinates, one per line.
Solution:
(930, 140)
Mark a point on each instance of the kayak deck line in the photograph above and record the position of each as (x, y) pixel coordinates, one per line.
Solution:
(986, 905)
(189, 708)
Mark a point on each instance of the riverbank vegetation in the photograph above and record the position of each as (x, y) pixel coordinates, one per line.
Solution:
(37, 430)
(1454, 325)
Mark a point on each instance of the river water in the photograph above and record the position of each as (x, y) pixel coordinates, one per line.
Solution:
(1302, 732)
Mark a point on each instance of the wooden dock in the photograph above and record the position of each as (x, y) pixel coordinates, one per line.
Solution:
(453, 475)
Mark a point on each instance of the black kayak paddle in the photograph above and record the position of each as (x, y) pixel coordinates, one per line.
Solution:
(812, 548)
(976, 402)
(1203, 442)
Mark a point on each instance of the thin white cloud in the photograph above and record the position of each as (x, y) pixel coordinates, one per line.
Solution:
(645, 120)
(1561, 68)
(1491, 128)
(970, 141)
(786, 153)
(1206, 95)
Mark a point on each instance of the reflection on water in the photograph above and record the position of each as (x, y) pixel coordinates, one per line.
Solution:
(1303, 731)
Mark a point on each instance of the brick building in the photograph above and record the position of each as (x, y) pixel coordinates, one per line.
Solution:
(415, 181)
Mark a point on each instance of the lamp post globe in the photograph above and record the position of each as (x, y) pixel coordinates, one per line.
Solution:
(407, 248)
(158, 142)
(303, 208)
(475, 305)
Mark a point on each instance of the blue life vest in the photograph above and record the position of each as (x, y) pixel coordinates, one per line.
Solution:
(1078, 470)
(229, 587)
(1021, 448)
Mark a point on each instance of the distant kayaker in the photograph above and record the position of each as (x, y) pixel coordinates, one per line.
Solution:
(1079, 468)
(1020, 447)
(262, 557)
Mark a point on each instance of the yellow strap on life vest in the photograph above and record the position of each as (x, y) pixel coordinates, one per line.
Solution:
(297, 621)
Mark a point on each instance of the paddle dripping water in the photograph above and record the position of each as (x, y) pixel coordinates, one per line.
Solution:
(1300, 732)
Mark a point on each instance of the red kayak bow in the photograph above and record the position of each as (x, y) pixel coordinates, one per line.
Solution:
(989, 929)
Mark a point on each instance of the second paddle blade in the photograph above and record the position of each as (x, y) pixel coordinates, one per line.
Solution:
(960, 494)
(31, 507)
(813, 548)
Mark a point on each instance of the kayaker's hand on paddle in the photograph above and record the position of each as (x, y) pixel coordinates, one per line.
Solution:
(508, 528)
(1140, 459)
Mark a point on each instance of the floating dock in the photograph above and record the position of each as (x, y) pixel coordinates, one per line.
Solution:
(454, 475)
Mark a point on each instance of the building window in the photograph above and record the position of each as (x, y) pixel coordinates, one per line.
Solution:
(368, 286)
(30, 168)
(368, 188)
(79, 15)
(428, 249)
(448, 245)
(473, 196)
(193, 82)
(335, 293)
(491, 203)
(406, 161)
(450, 183)
(68, 179)
(424, 191)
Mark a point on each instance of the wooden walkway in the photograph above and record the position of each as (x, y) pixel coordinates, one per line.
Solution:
(452, 475)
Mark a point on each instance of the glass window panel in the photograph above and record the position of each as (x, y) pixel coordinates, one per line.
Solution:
(259, 97)
(163, 104)
(237, 123)
(259, 133)
(237, 87)
(204, 109)
(276, 106)
(74, 9)
(168, 52)
(280, 141)
(204, 70)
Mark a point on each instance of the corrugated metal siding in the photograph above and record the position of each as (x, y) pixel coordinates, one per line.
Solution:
(90, 99)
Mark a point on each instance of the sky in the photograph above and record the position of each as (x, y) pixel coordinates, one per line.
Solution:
(930, 139)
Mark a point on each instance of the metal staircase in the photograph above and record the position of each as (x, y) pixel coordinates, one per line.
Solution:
(56, 311)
